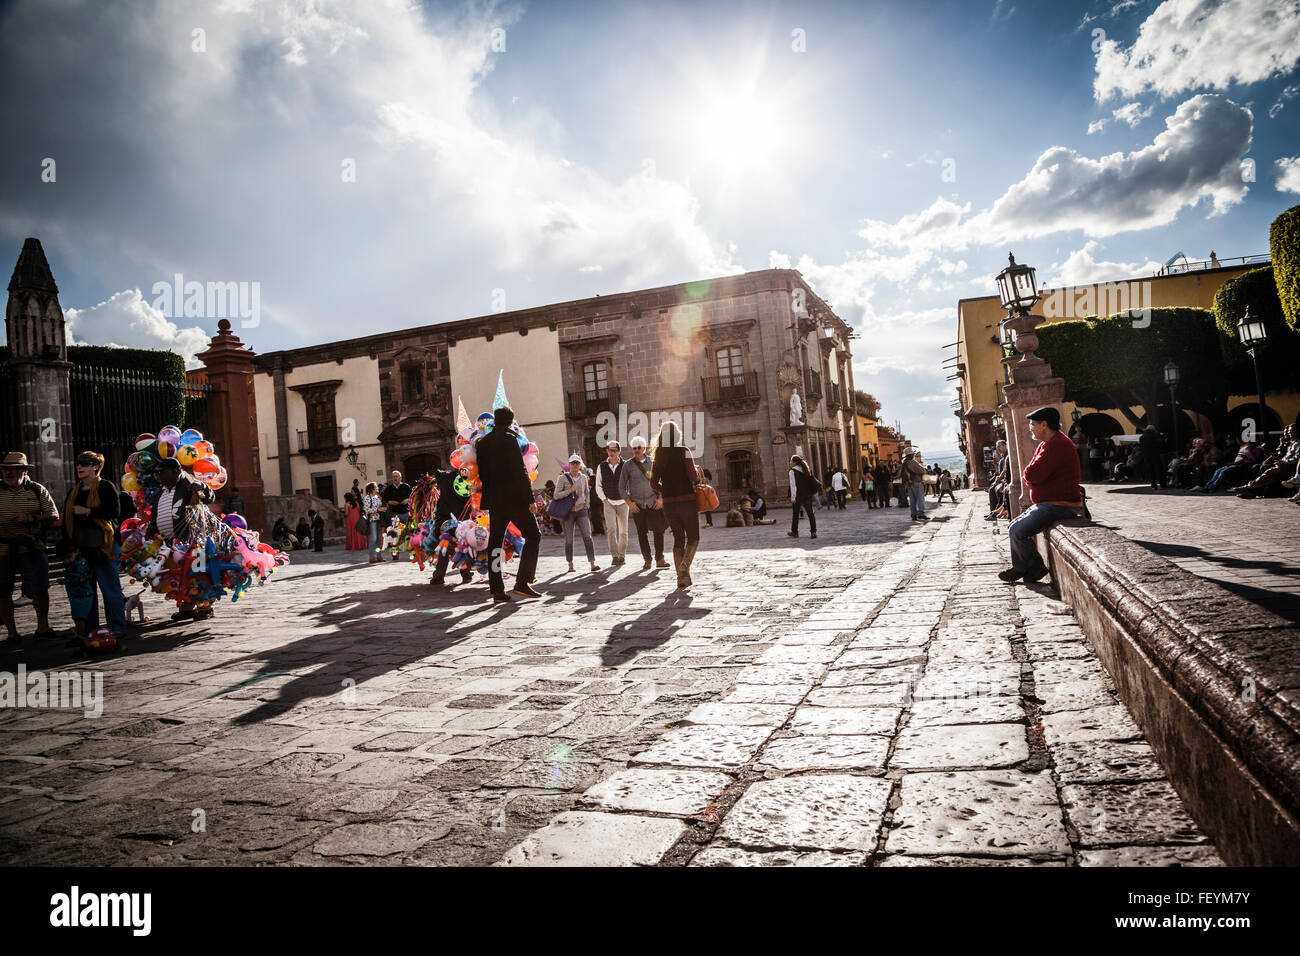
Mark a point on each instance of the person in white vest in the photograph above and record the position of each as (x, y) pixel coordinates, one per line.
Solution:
(608, 476)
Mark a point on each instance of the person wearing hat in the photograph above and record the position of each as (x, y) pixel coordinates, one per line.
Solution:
(1052, 477)
(615, 508)
(170, 519)
(574, 483)
(507, 496)
(26, 510)
(647, 510)
(913, 475)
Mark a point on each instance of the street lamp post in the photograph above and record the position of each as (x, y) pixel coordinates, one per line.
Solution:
(1252, 334)
(1171, 379)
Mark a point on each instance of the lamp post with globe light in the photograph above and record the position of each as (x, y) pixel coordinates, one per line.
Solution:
(1252, 334)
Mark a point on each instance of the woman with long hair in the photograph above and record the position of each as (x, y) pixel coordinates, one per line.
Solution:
(353, 538)
(371, 505)
(673, 479)
(803, 488)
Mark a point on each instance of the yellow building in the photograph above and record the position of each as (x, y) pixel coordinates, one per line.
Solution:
(868, 435)
(981, 375)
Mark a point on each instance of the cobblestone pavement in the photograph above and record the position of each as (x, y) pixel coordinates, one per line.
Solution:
(872, 696)
(1246, 545)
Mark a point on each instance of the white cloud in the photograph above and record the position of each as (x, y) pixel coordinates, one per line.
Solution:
(778, 260)
(1096, 126)
(1132, 113)
(1287, 170)
(1198, 44)
(252, 165)
(127, 319)
(1197, 157)
(1081, 268)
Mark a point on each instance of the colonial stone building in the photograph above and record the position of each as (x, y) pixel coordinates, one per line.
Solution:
(755, 367)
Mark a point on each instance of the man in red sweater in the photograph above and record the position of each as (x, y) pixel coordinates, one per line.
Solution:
(1052, 478)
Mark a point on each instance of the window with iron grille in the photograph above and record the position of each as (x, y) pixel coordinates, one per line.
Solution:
(595, 378)
(321, 425)
(731, 369)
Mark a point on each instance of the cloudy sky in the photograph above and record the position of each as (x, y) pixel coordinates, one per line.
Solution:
(379, 165)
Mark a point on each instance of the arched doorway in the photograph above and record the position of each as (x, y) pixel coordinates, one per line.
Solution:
(1246, 424)
(413, 466)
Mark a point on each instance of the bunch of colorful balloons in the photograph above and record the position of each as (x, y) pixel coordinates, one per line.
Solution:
(466, 458)
(219, 556)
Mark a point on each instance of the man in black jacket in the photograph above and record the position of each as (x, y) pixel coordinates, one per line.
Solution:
(507, 497)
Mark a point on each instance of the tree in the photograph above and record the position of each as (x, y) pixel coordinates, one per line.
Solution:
(1284, 248)
(1114, 363)
(1280, 355)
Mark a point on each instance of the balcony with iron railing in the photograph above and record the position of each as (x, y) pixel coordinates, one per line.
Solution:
(588, 403)
(321, 444)
(813, 385)
(730, 394)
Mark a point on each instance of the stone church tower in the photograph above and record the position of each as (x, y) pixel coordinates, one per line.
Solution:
(39, 370)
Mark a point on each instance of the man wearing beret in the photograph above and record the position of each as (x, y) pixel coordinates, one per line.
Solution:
(1052, 477)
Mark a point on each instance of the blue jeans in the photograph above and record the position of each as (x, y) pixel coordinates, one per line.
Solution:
(109, 581)
(916, 498)
(376, 537)
(1021, 532)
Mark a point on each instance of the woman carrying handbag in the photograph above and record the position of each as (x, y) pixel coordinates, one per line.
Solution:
(673, 479)
(573, 499)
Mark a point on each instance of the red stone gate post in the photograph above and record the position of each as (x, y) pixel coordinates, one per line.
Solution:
(232, 419)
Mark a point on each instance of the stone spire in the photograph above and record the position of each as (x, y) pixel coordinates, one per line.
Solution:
(32, 273)
(34, 319)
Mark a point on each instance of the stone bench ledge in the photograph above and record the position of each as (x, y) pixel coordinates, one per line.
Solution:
(1215, 649)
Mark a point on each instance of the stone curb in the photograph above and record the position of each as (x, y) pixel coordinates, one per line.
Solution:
(1209, 678)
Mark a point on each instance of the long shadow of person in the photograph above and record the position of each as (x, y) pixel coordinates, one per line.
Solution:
(656, 626)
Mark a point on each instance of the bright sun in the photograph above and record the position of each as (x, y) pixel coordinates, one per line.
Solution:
(736, 132)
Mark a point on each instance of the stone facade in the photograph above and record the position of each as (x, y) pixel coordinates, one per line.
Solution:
(724, 356)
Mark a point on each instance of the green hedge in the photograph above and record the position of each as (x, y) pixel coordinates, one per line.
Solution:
(1280, 356)
(1284, 248)
(1107, 362)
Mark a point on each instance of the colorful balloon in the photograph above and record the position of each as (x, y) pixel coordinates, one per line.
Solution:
(165, 449)
(235, 521)
(171, 434)
(190, 436)
(144, 441)
(130, 484)
(203, 449)
(185, 455)
(206, 467)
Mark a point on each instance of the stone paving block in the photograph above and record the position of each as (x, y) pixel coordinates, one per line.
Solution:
(966, 745)
(1151, 856)
(768, 694)
(820, 721)
(816, 812)
(737, 856)
(376, 839)
(879, 657)
(971, 710)
(829, 752)
(757, 715)
(1130, 813)
(978, 649)
(706, 746)
(877, 637)
(781, 673)
(869, 676)
(1096, 723)
(1106, 761)
(967, 861)
(893, 696)
(799, 654)
(676, 792)
(597, 839)
(985, 812)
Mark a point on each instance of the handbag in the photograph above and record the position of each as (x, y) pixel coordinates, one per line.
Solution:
(560, 508)
(706, 499)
